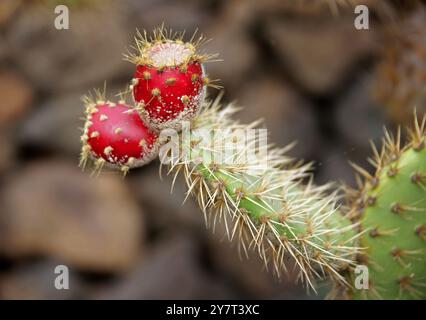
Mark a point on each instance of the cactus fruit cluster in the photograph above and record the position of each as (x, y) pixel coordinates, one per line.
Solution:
(264, 198)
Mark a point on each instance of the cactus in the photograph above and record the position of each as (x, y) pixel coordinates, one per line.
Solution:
(268, 200)
(263, 200)
(391, 208)
(270, 209)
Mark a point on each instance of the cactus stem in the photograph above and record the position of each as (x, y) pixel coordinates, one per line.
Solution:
(269, 210)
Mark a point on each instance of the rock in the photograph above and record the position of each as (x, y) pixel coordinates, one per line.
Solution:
(7, 150)
(4, 48)
(8, 8)
(16, 97)
(36, 281)
(55, 124)
(400, 75)
(315, 52)
(335, 165)
(90, 51)
(165, 209)
(171, 271)
(288, 117)
(306, 9)
(359, 118)
(231, 40)
(178, 15)
(52, 208)
(251, 10)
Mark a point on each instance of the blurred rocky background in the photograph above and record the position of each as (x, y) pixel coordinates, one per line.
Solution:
(300, 65)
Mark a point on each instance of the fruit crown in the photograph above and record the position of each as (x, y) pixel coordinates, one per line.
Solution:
(145, 52)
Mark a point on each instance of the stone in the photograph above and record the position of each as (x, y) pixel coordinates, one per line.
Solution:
(36, 281)
(56, 124)
(239, 54)
(249, 273)
(8, 150)
(334, 165)
(89, 52)
(165, 209)
(172, 270)
(359, 118)
(314, 52)
(400, 75)
(307, 9)
(52, 208)
(16, 97)
(8, 9)
(287, 115)
(178, 15)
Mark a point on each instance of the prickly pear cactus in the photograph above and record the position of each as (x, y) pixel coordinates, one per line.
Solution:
(263, 200)
(391, 208)
(266, 199)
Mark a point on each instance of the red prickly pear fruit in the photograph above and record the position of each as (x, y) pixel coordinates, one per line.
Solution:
(168, 97)
(115, 135)
(169, 84)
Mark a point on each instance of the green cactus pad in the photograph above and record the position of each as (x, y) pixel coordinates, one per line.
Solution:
(394, 225)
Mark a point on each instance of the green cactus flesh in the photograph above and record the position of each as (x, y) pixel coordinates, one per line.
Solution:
(275, 212)
(395, 223)
(268, 209)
